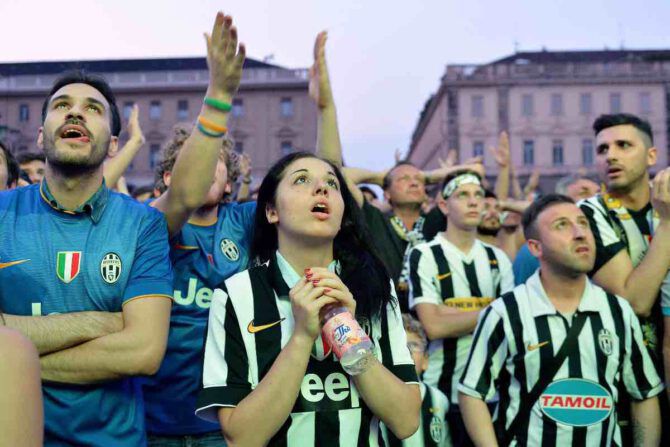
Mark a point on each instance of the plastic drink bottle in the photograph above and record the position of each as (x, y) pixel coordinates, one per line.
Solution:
(349, 342)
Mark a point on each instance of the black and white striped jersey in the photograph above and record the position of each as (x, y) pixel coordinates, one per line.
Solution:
(250, 322)
(515, 340)
(433, 428)
(617, 228)
(441, 273)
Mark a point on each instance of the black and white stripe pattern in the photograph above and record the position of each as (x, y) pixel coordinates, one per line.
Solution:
(441, 273)
(328, 410)
(520, 332)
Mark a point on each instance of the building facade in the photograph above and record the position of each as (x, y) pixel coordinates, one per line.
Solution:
(272, 114)
(547, 101)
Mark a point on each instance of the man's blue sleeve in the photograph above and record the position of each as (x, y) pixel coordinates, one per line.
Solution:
(525, 265)
(151, 273)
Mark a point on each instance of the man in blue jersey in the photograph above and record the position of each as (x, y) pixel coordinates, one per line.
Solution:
(209, 243)
(85, 274)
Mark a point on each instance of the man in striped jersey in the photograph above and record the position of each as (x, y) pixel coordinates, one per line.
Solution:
(547, 398)
(452, 278)
(631, 225)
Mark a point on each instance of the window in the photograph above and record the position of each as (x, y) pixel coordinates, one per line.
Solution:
(238, 107)
(239, 147)
(587, 152)
(615, 102)
(24, 113)
(154, 155)
(557, 152)
(286, 107)
(585, 103)
(182, 110)
(556, 104)
(478, 149)
(527, 105)
(645, 103)
(127, 108)
(286, 147)
(155, 110)
(528, 152)
(477, 106)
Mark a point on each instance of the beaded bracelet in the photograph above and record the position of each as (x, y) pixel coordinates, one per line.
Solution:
(218, 104)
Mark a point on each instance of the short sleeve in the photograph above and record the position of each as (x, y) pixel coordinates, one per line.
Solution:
(525, 265)
(608, 243)
(392, 348)
(639, 373)
(487, 356)
(225, 376)
(665, 296)
(422, 276)
(151, 272)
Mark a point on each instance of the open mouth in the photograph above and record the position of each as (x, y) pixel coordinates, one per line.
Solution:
(321, 211)
(73, 132)
(614, 171)
(582, 250)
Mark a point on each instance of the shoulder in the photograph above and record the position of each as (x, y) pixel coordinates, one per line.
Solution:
(592, 205)
(500, 255)
(17, 195)
(132, 206)
(236, 209)
(601, 294)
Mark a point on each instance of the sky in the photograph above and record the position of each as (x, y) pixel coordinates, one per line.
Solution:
(385, 57)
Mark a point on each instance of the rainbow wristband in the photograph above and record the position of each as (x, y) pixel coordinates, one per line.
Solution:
(218, 104)
(208, 132)
(211, 125)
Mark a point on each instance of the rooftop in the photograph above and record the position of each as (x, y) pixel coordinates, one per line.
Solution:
(586, 56)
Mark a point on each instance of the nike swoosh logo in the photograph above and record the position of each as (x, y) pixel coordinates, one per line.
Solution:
(253, 329)
(537, 346)
(441, 277)
(4, 265)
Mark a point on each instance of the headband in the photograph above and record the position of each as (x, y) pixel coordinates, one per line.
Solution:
(459, 180)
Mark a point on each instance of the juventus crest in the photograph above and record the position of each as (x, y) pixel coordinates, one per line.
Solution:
(110, 268)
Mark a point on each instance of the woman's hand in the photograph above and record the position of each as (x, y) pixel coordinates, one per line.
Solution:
(306, 303)
(334, 287)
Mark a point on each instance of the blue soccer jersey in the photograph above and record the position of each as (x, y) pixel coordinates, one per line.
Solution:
(110, 251)
(202, 257)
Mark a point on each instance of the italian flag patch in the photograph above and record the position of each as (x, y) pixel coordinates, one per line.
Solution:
(68, 265)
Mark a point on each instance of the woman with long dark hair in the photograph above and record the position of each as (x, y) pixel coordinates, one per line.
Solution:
(269, 377)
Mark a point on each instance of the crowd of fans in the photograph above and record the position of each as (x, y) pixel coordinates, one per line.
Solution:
(190, 312)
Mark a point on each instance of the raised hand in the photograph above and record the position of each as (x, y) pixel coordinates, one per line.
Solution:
(245, 166)
(225, 59)
(501, 153)
(319, 81)
(531, 186)
(306, 304)
(660, 194)
(134, 129)
(334, 287)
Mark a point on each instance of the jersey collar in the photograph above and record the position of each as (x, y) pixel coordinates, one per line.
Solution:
(291, 277)
(93, 207)
(541, 305)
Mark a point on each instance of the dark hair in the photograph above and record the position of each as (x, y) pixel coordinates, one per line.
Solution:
(619, 119)
(98, 83)
(488, 194)
(27, 157)
(388, 178)
(138, 191)
(530, 215)
(369, 190)
(455, 174)
(12, 165)
(362, 270)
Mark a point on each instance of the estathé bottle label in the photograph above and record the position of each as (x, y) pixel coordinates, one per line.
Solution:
(341, 332)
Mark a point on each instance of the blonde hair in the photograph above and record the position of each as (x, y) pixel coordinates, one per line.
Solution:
(413, 326)
(180, 134)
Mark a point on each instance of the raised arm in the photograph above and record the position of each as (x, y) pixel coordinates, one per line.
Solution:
(196, 163)
(328, 136)
(135, 350)
(117, 165)
(245, 178)
(640, 285)
(53, 333)
(501, 155)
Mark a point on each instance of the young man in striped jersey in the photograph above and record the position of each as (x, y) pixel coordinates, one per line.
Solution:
(547, 398)
(452, 278)
(631, 225)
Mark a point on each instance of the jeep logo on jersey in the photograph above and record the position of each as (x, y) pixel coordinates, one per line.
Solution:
(327, 392)
(576, 402)
(68, 264)
(605, 341)
(230, 250)
(110, 268)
